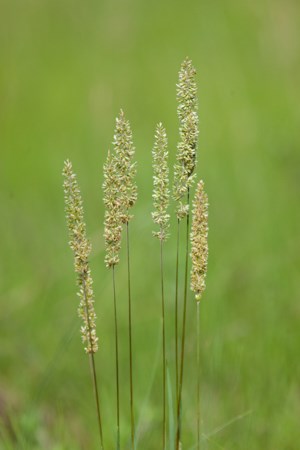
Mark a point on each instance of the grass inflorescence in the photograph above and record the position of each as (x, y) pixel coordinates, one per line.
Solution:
(119, 196)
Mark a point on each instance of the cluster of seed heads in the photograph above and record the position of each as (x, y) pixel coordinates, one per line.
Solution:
(81, 248)
(120, 194)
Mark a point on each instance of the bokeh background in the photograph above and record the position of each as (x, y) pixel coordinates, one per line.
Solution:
(66, 69)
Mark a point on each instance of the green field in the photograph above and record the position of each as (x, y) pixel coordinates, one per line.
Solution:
(67, 67)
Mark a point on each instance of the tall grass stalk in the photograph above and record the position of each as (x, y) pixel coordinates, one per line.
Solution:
(161, 218)
(184, 177)
(112, 235)
(120, 194)
(199, 255)
(127, 196)
(82, 249)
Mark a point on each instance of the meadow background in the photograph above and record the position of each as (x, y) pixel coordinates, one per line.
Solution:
(66, 69)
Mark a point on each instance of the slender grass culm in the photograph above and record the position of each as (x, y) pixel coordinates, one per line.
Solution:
(112, 235)
(161, 218)
(82, 248)
(199, 256)
(120, 194)
(184, 177)
(126, 168)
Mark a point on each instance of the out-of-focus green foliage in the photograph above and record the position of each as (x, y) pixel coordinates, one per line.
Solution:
(66, 69)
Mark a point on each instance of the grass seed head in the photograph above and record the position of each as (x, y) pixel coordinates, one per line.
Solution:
(188, 132)
(81, 248)
(161, 183)
(113, 211)
(199, 243)
(125, 166)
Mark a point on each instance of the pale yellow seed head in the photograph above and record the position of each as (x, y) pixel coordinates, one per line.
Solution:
(160, 183)
(113, 211)
(81, 248)
(186, 90)
(199, 241)
(188, 132)
(125, 166)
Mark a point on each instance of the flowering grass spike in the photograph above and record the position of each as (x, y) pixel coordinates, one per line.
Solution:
(161, 183)
(81, 248)
(127, 196)
(126, 167)
(161, 218)
(187, 111)
(199, 235)
(112, 219)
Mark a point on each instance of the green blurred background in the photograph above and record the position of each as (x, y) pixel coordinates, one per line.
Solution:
(66, 69)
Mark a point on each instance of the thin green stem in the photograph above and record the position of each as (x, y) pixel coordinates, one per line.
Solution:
(198, 375)
(95, 384)
(92, 365)
(176, 312)
(130, 341)
(178, 434)
(163, 342)
(117, 359)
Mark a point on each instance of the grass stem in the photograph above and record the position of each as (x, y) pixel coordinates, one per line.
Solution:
(93, 367)
(117, 359)
(198, 374)
(178, 433)
(130, 341)
(95, 385)
(163, 343)
(176, 311)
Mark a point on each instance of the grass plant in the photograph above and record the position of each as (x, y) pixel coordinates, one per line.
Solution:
(161, 219)
(82, 248)
(66, 70)
(199, 256)
(112, 234)
(120, 195)
(126, 168)
(184, 176)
